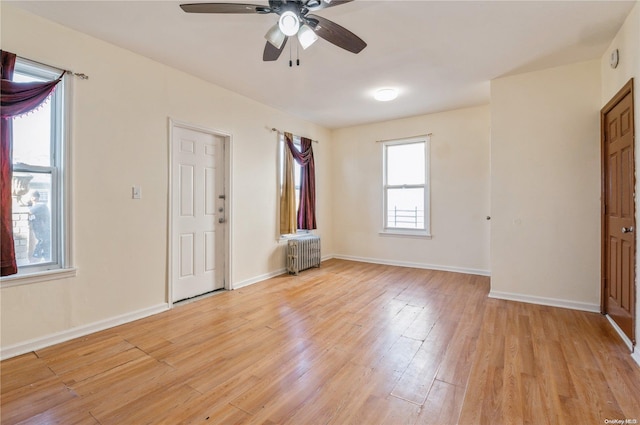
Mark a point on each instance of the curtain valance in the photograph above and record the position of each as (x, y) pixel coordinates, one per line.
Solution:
(20, 98)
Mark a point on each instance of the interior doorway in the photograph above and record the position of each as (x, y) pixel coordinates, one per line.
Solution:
(198, 212)
(618, 211)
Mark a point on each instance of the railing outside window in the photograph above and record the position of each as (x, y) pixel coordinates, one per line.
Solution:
(405, 218)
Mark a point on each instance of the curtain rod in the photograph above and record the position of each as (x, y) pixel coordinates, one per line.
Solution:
(279, 131)
(77, 74)
(405, 138)
(66, 71)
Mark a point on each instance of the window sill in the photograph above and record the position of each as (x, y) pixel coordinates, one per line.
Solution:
(17, 280)
(284, 238)
(419, 234)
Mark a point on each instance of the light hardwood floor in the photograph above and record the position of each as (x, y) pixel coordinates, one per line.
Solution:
(349, 343)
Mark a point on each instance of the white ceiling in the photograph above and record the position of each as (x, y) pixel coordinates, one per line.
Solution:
(441, 55)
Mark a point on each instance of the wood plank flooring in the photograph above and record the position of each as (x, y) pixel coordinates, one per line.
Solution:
(349, 343)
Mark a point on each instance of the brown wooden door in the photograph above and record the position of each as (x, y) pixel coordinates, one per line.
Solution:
(619, 240)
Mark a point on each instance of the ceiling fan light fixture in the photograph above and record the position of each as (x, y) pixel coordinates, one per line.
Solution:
(306, 36)
(275, 36)
(289, 23)
(385, 94)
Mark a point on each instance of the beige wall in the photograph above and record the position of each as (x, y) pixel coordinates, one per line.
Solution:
(530, 160)
(459, 192)
(627, 42)
(120, 138)
(545, 186)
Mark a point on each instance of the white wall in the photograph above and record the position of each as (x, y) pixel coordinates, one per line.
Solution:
(459, 192)
(627, 41)
(120, 138)
(545, 186)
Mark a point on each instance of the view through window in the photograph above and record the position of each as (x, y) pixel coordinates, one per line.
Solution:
(37, 176)
(296, 170)
(405, 182)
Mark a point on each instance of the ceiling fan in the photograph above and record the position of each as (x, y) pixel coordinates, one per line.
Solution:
(294, 20)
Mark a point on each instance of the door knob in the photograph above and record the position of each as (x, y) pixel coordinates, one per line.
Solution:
(221, 220)
(627, 229)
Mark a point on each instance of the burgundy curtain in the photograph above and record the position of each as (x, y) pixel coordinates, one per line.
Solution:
(304, 157)
(20, 98)
(15, 99)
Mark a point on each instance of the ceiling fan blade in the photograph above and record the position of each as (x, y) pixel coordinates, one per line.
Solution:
(314, 5)
(272, 53)
(224, 8)
(336, 34)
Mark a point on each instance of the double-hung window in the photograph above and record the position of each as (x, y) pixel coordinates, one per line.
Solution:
(296, 167)
(296, 175)
(406, 186)
(39, 181)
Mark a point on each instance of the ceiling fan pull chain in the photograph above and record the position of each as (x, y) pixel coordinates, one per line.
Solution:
(290, 60)
(297, 53)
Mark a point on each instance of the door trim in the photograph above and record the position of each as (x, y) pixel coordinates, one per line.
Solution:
(627, 89)
(228, 238)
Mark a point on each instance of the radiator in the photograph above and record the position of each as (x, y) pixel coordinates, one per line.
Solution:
(302, 253)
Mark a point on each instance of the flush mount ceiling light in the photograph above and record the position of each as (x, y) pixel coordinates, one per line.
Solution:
(289, 23)
(385, 95)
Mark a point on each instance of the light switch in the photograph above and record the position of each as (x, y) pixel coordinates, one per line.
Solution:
(136, 192)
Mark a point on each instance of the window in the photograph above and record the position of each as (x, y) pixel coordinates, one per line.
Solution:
(296, 173)
(406, 200)
(296, 167)
(39, 177)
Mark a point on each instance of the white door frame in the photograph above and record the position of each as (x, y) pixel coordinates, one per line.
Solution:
(228, 204)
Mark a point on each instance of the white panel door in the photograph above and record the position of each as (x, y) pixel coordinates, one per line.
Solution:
(198, 208)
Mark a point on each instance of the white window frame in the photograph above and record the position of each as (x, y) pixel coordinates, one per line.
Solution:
(281, 147)
(396, 231)
(60, 265)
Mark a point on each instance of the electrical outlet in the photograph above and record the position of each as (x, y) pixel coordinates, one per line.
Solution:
(136, 192)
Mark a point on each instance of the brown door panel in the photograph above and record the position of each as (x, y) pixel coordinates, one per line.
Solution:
(618, 221)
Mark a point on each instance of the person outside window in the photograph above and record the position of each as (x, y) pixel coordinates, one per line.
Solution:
(40, 223)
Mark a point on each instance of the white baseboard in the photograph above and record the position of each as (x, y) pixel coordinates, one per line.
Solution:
(69, 334)
(553, 302)
(619, 331)
(257, 279)
(413, 265)
(635, 354)
(269, 275)
(279, 272)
